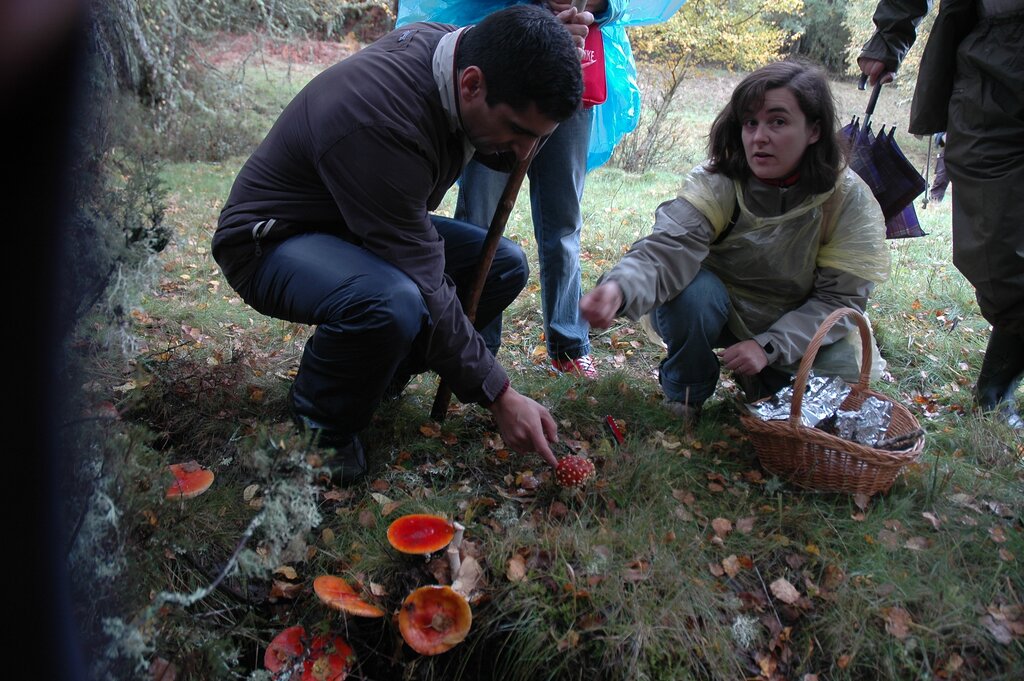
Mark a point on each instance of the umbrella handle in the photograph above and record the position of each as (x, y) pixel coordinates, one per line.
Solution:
(872, 100)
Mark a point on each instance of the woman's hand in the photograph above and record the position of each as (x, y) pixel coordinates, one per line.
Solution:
(746, 358)
(601, 304)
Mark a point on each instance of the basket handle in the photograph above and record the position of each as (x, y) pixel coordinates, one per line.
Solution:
(800, 385)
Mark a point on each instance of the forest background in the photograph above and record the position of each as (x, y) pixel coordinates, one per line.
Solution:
(668, 568)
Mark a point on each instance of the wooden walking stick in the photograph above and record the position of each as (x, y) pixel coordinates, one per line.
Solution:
(491, 241)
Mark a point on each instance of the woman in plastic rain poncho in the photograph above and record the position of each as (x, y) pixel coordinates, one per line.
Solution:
(764, 240)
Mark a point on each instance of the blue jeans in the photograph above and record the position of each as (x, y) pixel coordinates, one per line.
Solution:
(556, 188)
(692, 325)
(370, 317)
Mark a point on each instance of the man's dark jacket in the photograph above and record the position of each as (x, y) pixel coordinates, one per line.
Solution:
(365, 151)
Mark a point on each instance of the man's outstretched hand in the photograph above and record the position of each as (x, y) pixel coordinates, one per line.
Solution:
(525, 425)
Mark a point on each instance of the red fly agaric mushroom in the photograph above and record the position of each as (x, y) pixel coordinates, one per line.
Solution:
(285, 647)
(434, 619)
(328, 659)
(336, 593)
(325, 659)
(420, 533)
(573, 471)
(190, 480)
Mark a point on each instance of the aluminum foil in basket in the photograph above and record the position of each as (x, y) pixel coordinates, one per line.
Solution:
(821, 401)
(866, 425)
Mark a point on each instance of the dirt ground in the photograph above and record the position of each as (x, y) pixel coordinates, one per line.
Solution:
(229, 49)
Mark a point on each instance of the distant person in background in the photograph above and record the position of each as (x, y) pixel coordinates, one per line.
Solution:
(765, 240)
(971, 85)
(557, 177)
(938, 189)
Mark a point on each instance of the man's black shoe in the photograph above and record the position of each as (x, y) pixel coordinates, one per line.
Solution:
(347, 462)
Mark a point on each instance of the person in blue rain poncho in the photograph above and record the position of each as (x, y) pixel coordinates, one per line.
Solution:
(763, 242)
(557, 174)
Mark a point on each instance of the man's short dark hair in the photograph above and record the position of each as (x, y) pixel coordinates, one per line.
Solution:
(525, 55)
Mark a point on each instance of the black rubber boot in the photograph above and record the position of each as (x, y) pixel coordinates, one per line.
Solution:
(1000, 374)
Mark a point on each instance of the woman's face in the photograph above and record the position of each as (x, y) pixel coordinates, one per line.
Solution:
(775, 137)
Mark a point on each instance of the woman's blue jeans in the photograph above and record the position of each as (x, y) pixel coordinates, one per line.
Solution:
(556, 188)
(692, 324)
(369, 315)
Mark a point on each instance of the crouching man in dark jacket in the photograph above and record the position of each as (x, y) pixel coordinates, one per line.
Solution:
(329, 223)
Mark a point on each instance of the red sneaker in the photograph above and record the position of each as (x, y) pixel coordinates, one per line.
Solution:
(579, 366)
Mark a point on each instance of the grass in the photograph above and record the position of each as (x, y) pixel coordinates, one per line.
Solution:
(636, 577)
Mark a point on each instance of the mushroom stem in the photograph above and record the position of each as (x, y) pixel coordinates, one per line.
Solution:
(454, 559)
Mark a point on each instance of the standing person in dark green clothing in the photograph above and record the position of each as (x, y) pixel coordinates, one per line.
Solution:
(971, 85)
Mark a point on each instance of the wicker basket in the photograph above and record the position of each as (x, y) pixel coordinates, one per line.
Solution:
(813, 459)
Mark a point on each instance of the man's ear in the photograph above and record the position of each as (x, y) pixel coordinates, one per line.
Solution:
(471, 84)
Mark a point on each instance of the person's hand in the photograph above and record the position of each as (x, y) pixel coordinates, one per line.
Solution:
(745, 358)
(875, 70)
(578, 24)
(601, 304)
(525, 426)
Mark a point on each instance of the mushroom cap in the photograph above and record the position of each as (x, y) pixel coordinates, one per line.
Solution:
(420, 533)
(434, 619)
(325, 659)
(286, 645)
(190, 480)
(573, 471)
(336, 593)
(328, 659)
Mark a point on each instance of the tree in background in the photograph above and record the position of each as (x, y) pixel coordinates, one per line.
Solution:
(823, 34)
(861, 28)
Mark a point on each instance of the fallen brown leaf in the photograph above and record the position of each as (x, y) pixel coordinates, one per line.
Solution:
(516, 570)
(162, 670)
(917, 543)
(721, 526)
(897, 622)
(746, 525)
(282, 589)
(997, 533)
(286, 571)
(784, 591)
(431, 430)
(834, 576)
(889, 540)
(933, 519)
(731, 565)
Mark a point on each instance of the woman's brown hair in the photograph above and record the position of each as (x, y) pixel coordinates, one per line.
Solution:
(821, 162)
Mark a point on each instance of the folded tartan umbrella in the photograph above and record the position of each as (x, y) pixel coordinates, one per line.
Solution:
(893, 179)
(902, 183)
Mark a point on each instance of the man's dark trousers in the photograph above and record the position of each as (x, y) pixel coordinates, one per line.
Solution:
(370, 317)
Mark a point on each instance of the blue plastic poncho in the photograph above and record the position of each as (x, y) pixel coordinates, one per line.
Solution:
(620, 113)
